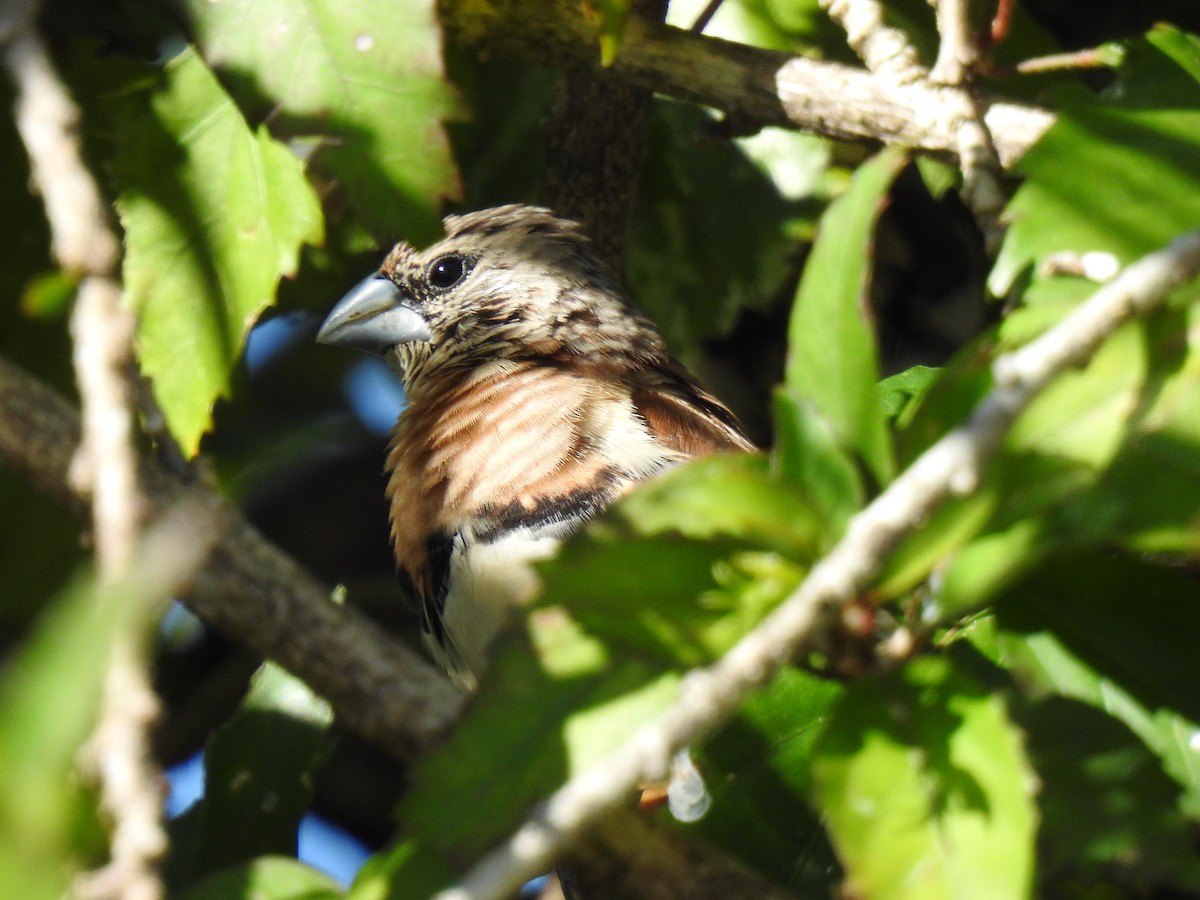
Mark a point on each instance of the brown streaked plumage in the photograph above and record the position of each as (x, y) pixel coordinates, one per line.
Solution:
(537, 395)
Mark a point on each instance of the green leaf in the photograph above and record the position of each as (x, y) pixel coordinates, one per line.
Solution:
(1108, 810)
(1042, 662)
(1107, 453)
(1121, 616)
(807, 456)
(675, 603)
(926, 789)
(832, 359)
(364, 80)
(516, 745)
(612, 15)
(903, 391)
(947, 530)
(733, 496)
(266, 878)
(214, 215)
(1116, 172)
(48, 705)
(622, 616)
(682, 219)
(259, 769)
(407, 870)
(758, 770)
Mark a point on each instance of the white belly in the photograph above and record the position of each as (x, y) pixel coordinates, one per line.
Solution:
(487, 581)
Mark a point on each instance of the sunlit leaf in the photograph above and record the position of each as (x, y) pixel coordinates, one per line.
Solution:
(1116, 172)
(807, 455)
(733, 496)
(904, 390)
(926, 788)
(266, 878)
(214, 215)
(832, 359)
(363, 80)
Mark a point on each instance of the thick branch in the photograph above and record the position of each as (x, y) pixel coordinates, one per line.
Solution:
(252, 591)
(952, 466)
(753, 87)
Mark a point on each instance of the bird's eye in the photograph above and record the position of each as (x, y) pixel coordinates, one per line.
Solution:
(446, 271)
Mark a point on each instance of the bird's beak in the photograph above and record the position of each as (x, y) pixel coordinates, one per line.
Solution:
(374, 316)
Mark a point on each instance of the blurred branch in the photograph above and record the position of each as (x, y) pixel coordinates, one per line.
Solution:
(951, 467)
(251, 590)
(959, 51)
(978, 160)
(118, 754)
(624, 857)
(752, 87)
(885, 50)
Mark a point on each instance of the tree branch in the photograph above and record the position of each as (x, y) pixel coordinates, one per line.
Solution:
(752, 87)
(953, 466)
(117, 755)
(378, 687)
(251, 590)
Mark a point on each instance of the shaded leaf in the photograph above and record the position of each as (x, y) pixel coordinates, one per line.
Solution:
(687, 267)
(214, 215)
(1043, 663)
(514, 746)
(1108, 810)
(1119, 615)
(612, 15)
(259, 769)
(48, 705)
(926, 789)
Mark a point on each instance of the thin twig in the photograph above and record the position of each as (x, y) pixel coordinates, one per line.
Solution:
(885, 50)
(958, 51)
(951, 467)
(1091, 58)
(706, 14)
(978, 159)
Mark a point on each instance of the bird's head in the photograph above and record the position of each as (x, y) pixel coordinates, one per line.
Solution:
(510, 283)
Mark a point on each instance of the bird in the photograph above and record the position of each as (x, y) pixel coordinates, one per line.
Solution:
(537, 395)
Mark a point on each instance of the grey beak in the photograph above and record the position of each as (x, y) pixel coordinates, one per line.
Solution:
(374, 316)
